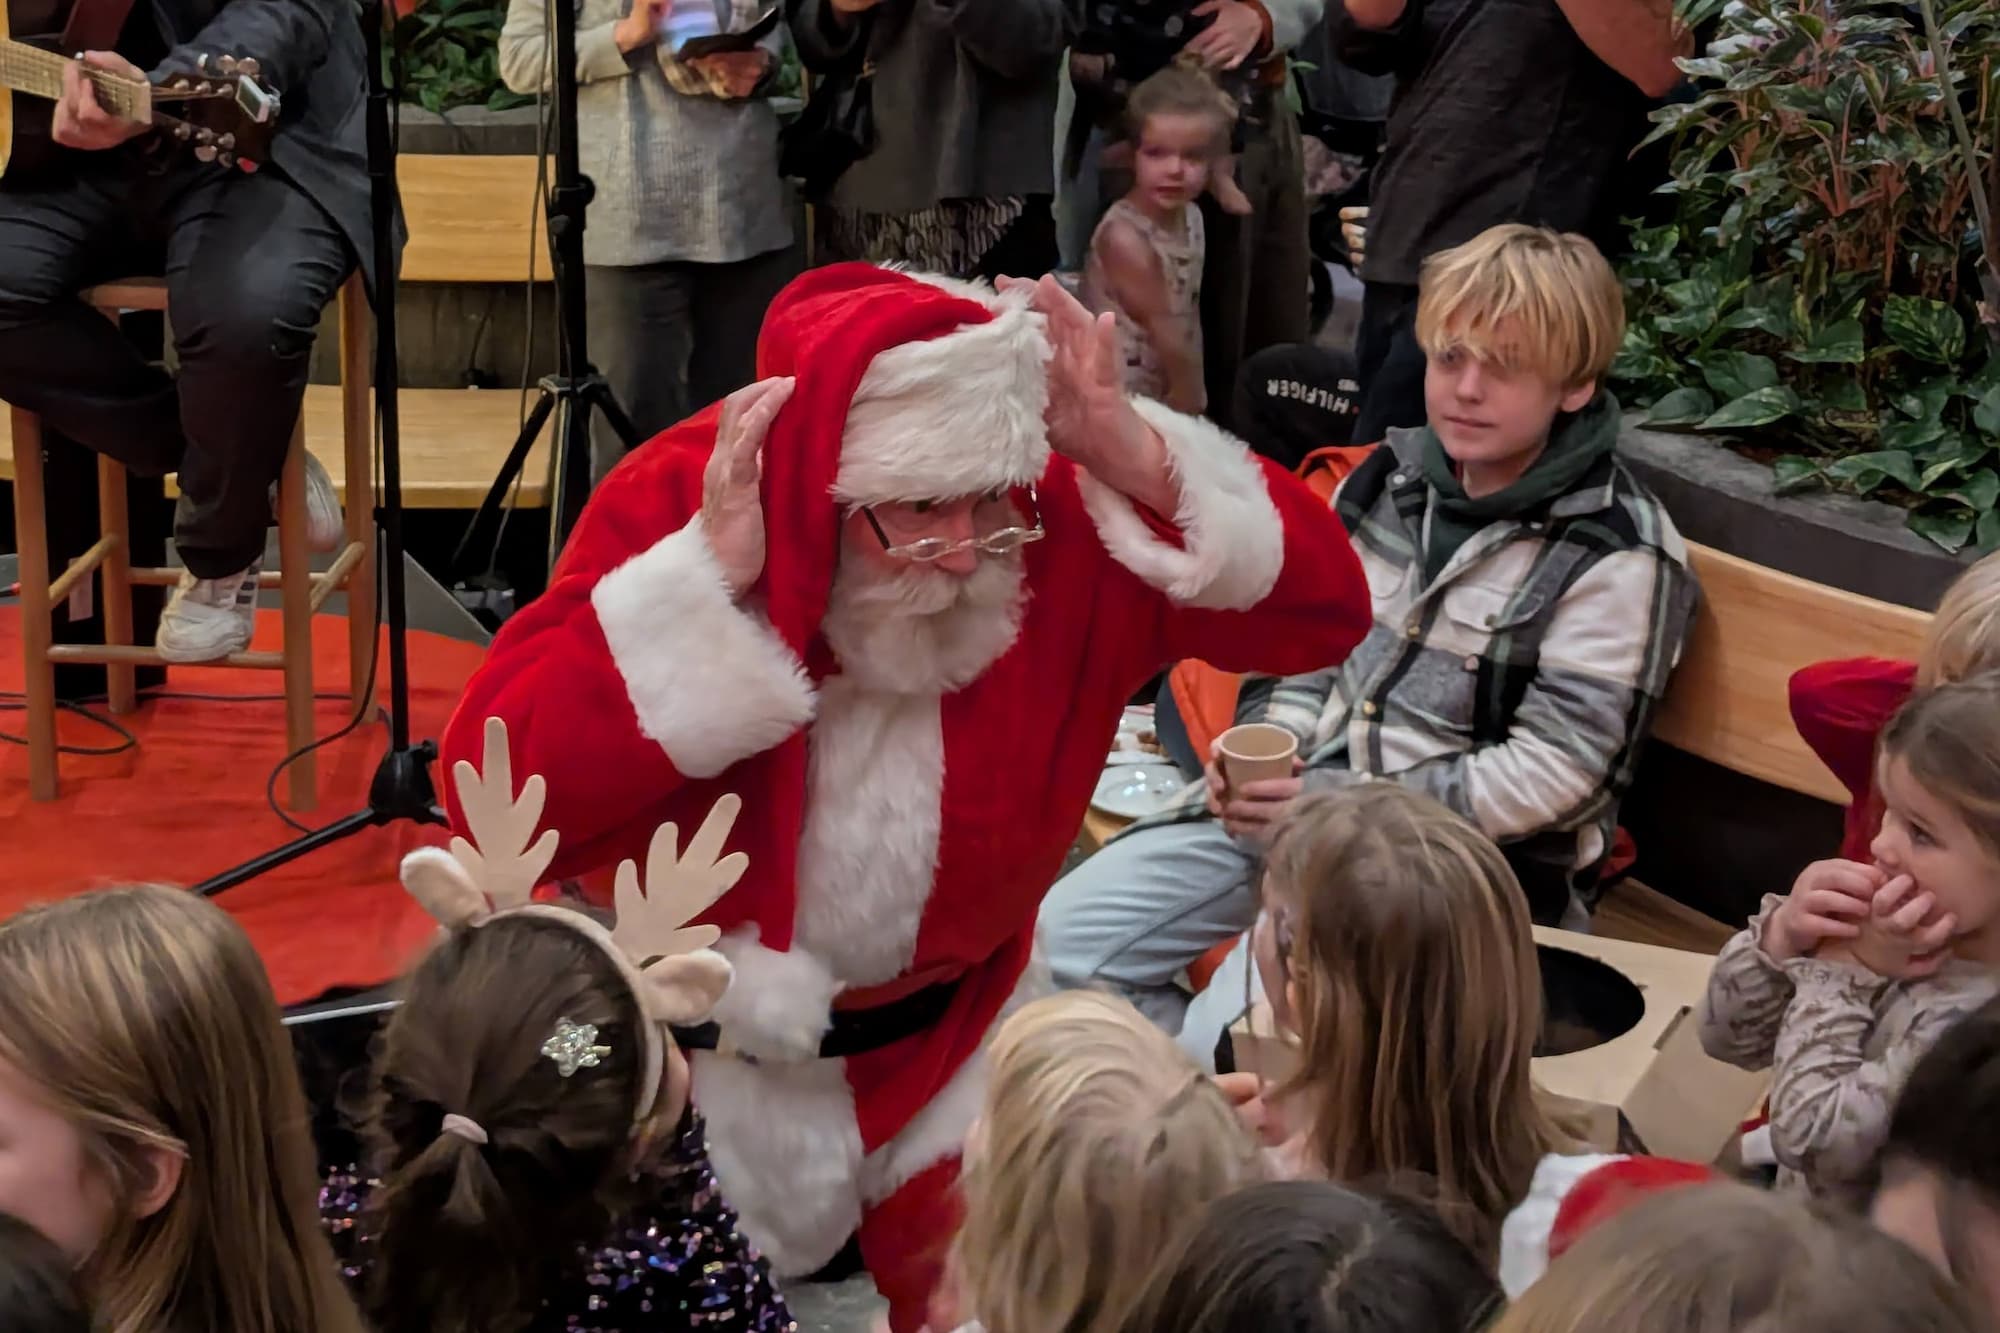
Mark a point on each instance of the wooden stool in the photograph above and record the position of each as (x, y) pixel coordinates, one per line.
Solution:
(301, 592)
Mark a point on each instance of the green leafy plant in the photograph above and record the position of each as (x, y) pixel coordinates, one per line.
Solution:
(451, 55)
(1821, 283)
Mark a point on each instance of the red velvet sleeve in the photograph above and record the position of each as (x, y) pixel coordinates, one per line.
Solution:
(635, 671)
(1253, 572)
(1315, 613)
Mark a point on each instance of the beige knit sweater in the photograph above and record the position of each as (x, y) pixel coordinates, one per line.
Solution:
(1840, 1042)
(678, 177)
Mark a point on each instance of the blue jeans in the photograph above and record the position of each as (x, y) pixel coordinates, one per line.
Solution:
(1135, 915)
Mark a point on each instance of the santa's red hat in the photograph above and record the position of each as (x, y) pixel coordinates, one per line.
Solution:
(909, 387)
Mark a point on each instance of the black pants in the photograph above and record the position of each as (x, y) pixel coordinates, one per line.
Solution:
(672, 338)
(1391, 363)
(1255, 281)
(250, 263)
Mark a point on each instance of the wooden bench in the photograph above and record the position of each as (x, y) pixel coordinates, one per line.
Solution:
(1729, 702)
(470, 220)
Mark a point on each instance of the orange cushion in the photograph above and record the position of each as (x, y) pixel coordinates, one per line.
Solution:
(1203, 969)
(1205, 696)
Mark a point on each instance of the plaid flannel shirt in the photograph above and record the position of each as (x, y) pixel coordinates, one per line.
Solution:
(1516, 687)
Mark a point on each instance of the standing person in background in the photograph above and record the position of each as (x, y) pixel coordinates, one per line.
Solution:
(1254, 282)
(1146, 258)
(1505, 111)
(961, 177)
(1254, 287)
(690, 230)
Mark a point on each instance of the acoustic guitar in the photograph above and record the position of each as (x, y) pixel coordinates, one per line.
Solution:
(225, 113)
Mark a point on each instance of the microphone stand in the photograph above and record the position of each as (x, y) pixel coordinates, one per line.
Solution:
(578, 389)
(402, 788)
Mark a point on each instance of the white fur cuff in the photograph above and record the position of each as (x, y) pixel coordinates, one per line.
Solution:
(779, 1006)
(711, 682)
(1233, 540)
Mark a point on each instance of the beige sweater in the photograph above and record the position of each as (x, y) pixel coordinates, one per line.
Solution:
(1840, 1042)
(679, 176)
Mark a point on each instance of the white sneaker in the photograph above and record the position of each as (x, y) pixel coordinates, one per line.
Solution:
(326, 529)
(208, 619)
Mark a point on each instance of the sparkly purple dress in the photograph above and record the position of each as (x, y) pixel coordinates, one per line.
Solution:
(677, 1263)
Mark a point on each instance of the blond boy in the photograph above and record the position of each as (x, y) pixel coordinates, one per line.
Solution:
(1530, 599)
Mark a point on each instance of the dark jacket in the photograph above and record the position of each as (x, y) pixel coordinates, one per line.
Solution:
(311, 52)
(964, 96)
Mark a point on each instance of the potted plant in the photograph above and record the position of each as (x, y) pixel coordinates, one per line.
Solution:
(1825, 296)
(451, 55)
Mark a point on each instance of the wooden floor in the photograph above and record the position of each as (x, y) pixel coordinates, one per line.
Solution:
(453, 443)
(1631, 911)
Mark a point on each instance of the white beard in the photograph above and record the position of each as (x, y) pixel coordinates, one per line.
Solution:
(923, 631)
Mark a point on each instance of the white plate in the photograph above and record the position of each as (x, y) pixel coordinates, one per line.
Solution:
(1133, 791)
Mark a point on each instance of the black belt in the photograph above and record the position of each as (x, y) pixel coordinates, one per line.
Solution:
(853, 1031)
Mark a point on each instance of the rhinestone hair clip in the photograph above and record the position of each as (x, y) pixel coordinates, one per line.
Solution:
(573, 1046)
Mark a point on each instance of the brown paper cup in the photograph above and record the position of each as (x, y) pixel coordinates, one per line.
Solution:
(1256, 752)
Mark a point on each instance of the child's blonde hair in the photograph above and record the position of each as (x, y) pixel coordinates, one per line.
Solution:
(1526, 298)
(1725, 1258)
(1418, 999)
(1098, 1141)
(1948, 737)
(1964, 634)
(1183, 88)
(145, 1018)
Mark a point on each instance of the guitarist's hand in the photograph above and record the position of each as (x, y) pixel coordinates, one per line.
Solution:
(80, 121)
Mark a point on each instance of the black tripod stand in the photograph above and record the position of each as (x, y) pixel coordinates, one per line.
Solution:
(578, 389)
(402, 786)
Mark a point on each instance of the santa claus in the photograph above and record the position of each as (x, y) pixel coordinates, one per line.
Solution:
(895, 597)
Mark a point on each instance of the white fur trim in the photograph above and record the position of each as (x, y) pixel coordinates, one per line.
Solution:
(709, 679)
(780, 1004)
(868, 850)
(711, 682)
(955, 415)
(787, 1153)
(939, 1130)
(1233, 541)
(1524, 1235)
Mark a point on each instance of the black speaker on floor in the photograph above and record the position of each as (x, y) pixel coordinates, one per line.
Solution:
(333, 1040)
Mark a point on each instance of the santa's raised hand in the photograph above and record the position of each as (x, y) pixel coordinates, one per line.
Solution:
(1091, 420)
(732, 512)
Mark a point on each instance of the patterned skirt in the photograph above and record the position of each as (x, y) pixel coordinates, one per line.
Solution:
(950, 237)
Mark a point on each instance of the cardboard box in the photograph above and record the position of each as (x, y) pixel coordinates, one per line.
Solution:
(1651, 1088)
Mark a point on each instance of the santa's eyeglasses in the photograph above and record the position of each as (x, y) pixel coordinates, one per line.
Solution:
(1002, 541)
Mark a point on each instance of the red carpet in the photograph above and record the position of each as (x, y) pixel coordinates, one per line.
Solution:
(189, 803)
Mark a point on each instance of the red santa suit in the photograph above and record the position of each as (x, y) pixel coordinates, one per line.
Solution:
(902, 834)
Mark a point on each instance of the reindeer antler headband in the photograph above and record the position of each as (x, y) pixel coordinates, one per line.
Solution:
(674, 975)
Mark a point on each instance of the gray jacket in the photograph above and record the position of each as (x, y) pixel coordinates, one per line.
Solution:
(311, 52)
(964, 96)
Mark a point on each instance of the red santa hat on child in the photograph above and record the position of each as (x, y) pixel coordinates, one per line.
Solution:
(1573, 1195)
(909, 387)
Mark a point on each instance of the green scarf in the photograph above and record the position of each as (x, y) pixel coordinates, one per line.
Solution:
(1577, 444)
